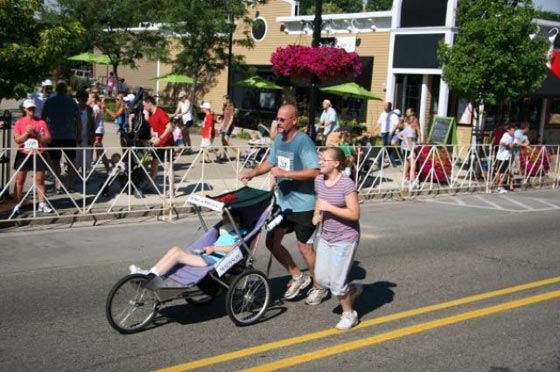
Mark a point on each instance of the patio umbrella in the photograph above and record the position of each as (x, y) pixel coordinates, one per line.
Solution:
(352, 90)
(89, 57)
(257, 82)
(175, 78)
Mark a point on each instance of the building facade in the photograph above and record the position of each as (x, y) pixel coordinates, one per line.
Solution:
(398, 49)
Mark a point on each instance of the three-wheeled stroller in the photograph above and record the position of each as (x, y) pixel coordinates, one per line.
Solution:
(131, 304)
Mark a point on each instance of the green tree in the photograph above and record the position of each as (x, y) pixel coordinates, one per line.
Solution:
(493, 58)
(379, 5)
(202, 33)
(110, 24)
(331, 7)
(29, 46)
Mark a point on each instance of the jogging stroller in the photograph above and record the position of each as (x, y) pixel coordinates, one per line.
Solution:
(133, 301)
(119, 172)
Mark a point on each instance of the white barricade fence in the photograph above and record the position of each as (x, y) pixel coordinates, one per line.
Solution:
(120, 180)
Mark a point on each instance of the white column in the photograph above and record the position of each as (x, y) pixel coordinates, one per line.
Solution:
(443, 101)
(423, 105)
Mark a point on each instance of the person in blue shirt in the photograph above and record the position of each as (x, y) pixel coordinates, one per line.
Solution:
(209, 256)
(294, 164)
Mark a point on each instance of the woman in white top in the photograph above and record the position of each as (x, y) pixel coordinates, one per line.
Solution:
(184, 111)
(95, 103)
(409, 139)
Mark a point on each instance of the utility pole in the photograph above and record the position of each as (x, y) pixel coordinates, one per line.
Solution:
(314, 93)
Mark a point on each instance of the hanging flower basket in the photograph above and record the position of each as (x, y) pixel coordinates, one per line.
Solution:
(329, 64)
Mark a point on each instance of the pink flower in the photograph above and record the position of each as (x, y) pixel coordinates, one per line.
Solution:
(326, 62)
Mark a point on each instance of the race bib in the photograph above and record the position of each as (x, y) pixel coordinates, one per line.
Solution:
(286, 161)
(230, 259)
(31, 144)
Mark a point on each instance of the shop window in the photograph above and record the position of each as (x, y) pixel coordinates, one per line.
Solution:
(425, 13)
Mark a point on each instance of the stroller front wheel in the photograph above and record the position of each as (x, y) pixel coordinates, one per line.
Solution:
(248, 297)
(130, 305)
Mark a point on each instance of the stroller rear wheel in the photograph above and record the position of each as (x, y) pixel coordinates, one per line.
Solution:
(248, 297)
(130, 306)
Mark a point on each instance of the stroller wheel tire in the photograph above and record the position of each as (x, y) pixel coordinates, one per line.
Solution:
(130, 305)
(248, 297)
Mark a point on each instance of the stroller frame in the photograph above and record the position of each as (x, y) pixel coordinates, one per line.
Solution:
(135, 299)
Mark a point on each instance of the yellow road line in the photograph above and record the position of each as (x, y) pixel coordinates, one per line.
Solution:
(204, 362)
(350, 346)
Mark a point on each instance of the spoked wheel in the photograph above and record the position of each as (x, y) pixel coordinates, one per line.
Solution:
(130, 306)
(248, 297)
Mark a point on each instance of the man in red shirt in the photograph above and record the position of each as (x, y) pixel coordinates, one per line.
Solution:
(162, 139)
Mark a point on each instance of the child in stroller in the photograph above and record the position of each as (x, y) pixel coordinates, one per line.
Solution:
(258, 146)
(135, 299)
(118, 171)
(209, 255)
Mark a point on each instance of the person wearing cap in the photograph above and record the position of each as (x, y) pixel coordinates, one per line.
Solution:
(62, 115)
(227, 128)
(208, 131)
(40, 97)
(32, 136)
(162, 140)
(386, 124)
(183, 111)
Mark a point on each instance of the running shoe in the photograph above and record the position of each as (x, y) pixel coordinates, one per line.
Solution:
(295, 285)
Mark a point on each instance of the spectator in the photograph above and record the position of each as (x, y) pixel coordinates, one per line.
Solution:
(41, 97)
(387, 124)
(227, 128)
(95, 103)
(87, 121)
(503, 157)
(337, 210)
(328, 121)
(409, 139)
(30, 134)
(122, 86)
(293, 162)
(120, 116)
(521, 143)
(184, 109)
(62, 115)
(178, 137)
(111, 84)
(162, 139)
(207, 131)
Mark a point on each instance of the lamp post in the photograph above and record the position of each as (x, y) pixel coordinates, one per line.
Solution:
(314, 93)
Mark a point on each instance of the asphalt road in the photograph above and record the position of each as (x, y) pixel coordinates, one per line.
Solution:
(415, 259)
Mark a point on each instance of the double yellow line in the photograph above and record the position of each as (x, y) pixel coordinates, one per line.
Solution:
(345, 347)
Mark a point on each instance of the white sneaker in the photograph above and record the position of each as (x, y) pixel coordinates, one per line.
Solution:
(295, 285)
(16, 210)
(501, 190)
(44, 209)
(316, 295)
(137, 270)
(347, 321)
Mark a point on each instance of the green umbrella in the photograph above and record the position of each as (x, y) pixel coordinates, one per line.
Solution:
(175, 78)
(257, 82)
(89, 57)
(352, 90)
